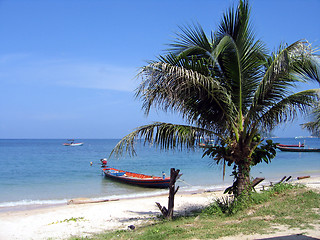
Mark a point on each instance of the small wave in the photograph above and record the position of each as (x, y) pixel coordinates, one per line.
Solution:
(28, 202)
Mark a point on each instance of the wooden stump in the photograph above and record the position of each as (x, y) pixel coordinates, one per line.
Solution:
(168, 213)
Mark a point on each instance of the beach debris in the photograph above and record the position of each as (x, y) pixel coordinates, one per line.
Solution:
(163, 209)
(284, 179)
(131, 227)
(256, 181)
(302, 177)
(88, 200)
(288, 178)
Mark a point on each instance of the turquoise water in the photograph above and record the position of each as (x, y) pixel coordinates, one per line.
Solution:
(46, 172)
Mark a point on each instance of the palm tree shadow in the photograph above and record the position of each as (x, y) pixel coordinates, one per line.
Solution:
(187, 210)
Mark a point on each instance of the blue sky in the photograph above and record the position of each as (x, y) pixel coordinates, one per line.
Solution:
(68, 67)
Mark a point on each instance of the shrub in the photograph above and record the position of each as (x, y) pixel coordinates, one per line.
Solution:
(228, 205)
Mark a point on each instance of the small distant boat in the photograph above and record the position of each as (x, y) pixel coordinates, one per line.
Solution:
(290, 145)
(72, 143)
(290, 149)
(207, 144)
(136, 178)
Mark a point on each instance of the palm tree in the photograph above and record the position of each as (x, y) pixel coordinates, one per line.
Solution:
(225, 85)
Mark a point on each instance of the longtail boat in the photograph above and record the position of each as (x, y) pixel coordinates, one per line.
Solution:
(290, 149)
(136, 178)
(290, 145)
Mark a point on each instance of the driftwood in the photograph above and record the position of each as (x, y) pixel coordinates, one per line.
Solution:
(168, 213)
(83, 201)
(163, 209)
(284, 179)
(288, 178)
(256, 181)
(303, 177)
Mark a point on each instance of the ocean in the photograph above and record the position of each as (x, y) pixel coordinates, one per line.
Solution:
(41, 172)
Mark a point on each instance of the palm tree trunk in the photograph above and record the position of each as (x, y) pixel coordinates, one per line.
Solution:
(243, 178)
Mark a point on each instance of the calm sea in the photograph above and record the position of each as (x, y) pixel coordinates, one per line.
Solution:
(44, 172)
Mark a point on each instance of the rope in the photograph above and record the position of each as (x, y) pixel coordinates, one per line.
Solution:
(185, 182)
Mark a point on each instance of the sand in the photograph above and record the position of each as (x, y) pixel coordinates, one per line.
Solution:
(56, 222)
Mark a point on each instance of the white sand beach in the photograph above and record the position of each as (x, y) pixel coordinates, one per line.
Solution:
(56, 222)
(44, 223)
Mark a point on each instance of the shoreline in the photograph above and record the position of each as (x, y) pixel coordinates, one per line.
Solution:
(64, 221)
(25, 205)
(29, 205)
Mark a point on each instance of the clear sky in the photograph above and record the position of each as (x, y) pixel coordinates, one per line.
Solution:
(68, 67)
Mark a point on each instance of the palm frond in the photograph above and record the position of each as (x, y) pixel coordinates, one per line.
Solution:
(163, 135)
(202, 100)
(242, 61)
(314, 125)
(192, 41)
(290, 65)
(288, 108)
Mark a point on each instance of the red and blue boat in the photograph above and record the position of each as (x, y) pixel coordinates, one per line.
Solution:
(290, 145)
(136, 178)
(291, 149)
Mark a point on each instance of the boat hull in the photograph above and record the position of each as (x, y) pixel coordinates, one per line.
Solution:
(290, 145)
(202, 145)
(136, 179)
(72, 144)
(290, 149)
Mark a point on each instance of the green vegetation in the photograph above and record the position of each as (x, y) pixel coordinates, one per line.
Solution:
(73, 219)
(256, 213)
(228, 87)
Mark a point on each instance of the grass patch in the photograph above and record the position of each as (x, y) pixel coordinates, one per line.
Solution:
(69, 220)
(256, 213)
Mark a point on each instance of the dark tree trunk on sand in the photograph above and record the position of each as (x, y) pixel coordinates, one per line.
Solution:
(168, 213)
(172, 191)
